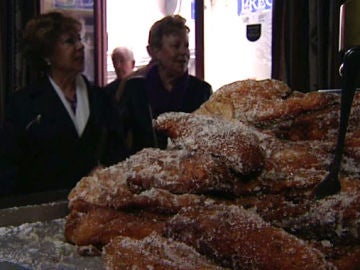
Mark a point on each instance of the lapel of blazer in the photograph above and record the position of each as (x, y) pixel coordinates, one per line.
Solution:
(93, 106)
(47, 103)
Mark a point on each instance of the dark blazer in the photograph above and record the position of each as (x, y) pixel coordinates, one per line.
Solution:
(111, 88)
(40, 148)
(136, 116)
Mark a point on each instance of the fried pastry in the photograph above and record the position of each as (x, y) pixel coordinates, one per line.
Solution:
(153, 252)
(274, 208)
(343, 257)
(133, 183)
(241, 239)
(240, 99)
(106, 187)
(352, 146)
(233, 142)
(179, 171)
(291, 168)
(155, 200)
(294, 168)
(334, 218)
(271, 105)
(235, 184)
(262, 103)
(98, 225)
(313, 125)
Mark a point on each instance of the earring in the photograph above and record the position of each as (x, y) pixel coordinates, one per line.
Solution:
(47, 60)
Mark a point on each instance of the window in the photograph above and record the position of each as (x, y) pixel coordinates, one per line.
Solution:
(129, 22)
(237, 35)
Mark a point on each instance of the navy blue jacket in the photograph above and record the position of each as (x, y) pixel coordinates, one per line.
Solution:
(40, 149)
(111, 88)
(136, 113)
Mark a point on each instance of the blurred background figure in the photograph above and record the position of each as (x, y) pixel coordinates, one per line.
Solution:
(124, 62)
(55, 130)
(165, 85)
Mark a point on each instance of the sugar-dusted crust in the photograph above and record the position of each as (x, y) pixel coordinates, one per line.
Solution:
(151, 179)
(235, 183)
(91, 225)
(336, 217)
(241, 239)
(179, 171)
(233, 142)
(153, 252)
(261, 102)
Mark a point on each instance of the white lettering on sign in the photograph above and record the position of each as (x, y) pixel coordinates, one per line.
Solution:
(246, 6)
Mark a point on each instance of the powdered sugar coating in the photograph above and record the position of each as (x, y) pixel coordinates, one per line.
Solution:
(41, 245)
(295, 134)
(336, 218)
(178, 171)
(151, 178)
(154, 252)
(240, 239)
(262, 102)
(233, 142)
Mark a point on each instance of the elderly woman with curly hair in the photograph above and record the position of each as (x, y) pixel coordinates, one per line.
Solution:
(55, 130)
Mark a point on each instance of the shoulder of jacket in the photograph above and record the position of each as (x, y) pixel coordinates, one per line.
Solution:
(196, 81)
(32, 90)
(134, 80)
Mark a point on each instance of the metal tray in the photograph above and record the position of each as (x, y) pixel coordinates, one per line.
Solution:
(32, 234)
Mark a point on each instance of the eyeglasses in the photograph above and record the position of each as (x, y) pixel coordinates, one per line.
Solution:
(72, 41)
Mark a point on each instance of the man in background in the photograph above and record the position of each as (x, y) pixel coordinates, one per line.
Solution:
(124, 62)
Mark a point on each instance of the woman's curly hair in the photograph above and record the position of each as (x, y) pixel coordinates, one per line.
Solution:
(41, 34)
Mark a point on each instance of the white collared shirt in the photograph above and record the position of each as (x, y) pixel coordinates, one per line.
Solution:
(81, 115)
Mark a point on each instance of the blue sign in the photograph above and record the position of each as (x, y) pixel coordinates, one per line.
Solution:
(247, 6)
(193, 9)
(81, 4)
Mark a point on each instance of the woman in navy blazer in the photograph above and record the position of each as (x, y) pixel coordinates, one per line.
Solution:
(55, 130)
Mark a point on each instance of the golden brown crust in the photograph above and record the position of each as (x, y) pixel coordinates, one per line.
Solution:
(129, 183)
(334, 218)
(342, 256)
(179, 171)
(233, 142)
(106, 187)
(153, 252)
(241, 239)
(291, 168)
(98, 225)
(278, 142)
(238, 100)
(274, 208)
(263, 102)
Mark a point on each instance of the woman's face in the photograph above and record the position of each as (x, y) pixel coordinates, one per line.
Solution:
(173, 56)
(68, 54)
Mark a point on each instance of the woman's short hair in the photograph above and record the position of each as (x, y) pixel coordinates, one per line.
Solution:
(171, 24)
(41, 34)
